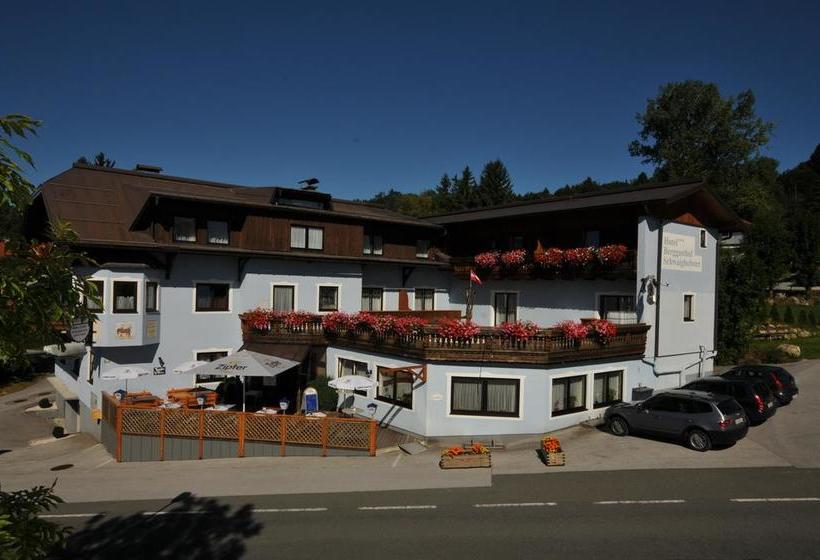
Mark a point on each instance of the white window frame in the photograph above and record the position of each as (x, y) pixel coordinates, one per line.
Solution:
(382, 288)
(590, 411)
(517, 303)
(693, 308)
(375, 369)
(140, 295)
(104, 300)
(371, 237)
(306, 229)
(424, 288)
(318, 296)
(597, 302)
(703, 238)
(208, 231)
(194, 357)
(145, 298)
(213, 281)
(174, 233)
(372, 390)
(521, 391)
(295, 293)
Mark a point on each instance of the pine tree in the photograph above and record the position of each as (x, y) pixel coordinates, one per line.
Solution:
(443, 195)
(465, 191)
(495, 186)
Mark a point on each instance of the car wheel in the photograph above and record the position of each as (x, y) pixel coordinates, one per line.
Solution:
(618, 426)
(698, 440)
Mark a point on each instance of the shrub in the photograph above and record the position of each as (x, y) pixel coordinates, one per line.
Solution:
(23, 533)
(788, 316)
(574, 331)
(328, 396)
(58, 432)
(803, 317)
(775, 314)
(813, 319)
(457, 330)
(519, 330)
(44, 402)
(487, 260)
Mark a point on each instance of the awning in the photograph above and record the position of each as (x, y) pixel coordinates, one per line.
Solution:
(62, 389)
(246, 363)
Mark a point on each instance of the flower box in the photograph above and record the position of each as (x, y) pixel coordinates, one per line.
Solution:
(465, 461)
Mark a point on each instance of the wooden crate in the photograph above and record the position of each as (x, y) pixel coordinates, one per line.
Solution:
(466, 461)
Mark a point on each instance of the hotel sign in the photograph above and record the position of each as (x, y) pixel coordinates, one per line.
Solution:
(679, 253)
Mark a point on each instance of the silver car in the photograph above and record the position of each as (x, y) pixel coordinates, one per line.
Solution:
(699, 418)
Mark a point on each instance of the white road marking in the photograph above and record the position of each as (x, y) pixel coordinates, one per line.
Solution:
(68, 515)
(381, 508)
(521, 504)
(757, 500)
(287, 510)
(104, 463)
(639, 502)
(172, 512)
(398, 458)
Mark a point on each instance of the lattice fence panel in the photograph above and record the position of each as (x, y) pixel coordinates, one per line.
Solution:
(263, 427)
(222, 425)
(143, 421)
(181, 423)
(351, 435)
(304, 430)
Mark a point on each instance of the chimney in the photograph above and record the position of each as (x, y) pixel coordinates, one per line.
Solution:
(145, 168)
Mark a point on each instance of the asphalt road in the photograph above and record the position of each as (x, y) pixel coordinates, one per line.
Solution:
(675, 514)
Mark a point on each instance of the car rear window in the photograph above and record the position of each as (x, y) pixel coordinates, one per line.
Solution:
(784, 376)
(762, 390)
(729, 406)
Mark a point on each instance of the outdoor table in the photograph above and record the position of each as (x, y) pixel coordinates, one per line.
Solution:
(170, 405)
(221, 407)
(269, 410)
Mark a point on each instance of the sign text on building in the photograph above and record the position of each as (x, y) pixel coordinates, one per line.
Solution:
(679, 253)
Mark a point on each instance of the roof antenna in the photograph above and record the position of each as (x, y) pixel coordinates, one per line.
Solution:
(309, 184)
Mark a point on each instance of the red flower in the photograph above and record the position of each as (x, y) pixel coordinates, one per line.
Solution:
(551, 259)
(457, 330)
(408, 326)
(603, 330)
(611, 255)
(572, 330)
(519, 330)
(297, 319)
(338, 322)
(513, 258)
(260, 318)
(579, 257)
(487, 260)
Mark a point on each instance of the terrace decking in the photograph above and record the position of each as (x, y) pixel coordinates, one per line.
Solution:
(548, 347)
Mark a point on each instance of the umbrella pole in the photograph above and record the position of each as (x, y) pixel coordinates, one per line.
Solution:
(242, 378)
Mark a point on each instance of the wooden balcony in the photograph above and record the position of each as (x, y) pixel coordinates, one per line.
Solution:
(548, 347)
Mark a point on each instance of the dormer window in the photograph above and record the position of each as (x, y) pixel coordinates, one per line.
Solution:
(185, 230)
(422, 248)
(373, 244)
(218, 233)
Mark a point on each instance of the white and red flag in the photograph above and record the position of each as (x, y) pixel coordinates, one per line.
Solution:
(474, 279)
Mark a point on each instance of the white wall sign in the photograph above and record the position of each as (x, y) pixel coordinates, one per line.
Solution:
(679, 253)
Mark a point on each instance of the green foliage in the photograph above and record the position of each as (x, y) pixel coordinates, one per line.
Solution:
(813, 319)
(100, 160)
(775, 315)
(418, 205)
(739, 300)
(37, 284)
(803, 317)
(23, 534)
(788, 316)
(328, 396)
(800, 195)
(495, 186)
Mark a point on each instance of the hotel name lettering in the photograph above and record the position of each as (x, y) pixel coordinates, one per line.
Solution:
(679, 253)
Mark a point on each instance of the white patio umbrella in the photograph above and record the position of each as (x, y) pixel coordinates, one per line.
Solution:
(351, 383)
(124, 373)
(186, 367)
(245, 363)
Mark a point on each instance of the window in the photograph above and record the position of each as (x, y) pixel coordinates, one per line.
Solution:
(283, 297)
(688, 307)
(569, 394)
(618, 309)
(372, 299)
(328, 298)
(703, 239)
(607, 389)
(213, 297)
(396, 388)
(592, 238)
(210, 356)
(218, 233)
(303, 237)
(425, 299)
(125, 297)
(352, 367)
(506, 307)
(92, 305)
(663, 403)
(151, 296)
(422, 248)
(478, 396)
(185, 230)
(373, 245)
(517, 242)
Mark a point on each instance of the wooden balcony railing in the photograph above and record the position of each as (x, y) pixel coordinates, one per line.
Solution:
(624, 269)
(549, 346)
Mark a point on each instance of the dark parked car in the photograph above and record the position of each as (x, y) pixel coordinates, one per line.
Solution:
(778, 380)
(757, 400)
(700, 419)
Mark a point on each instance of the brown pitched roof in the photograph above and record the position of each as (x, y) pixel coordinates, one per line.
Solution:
(102, 203)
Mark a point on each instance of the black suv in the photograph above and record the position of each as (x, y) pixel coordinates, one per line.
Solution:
(778, 380)
(700, 419)
(756, 399)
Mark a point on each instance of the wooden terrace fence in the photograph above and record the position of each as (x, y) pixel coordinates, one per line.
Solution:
(133, 433)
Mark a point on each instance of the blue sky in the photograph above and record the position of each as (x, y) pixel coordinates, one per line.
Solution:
(367, 96)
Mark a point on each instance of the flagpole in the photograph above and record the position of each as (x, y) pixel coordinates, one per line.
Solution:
(469, 313)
